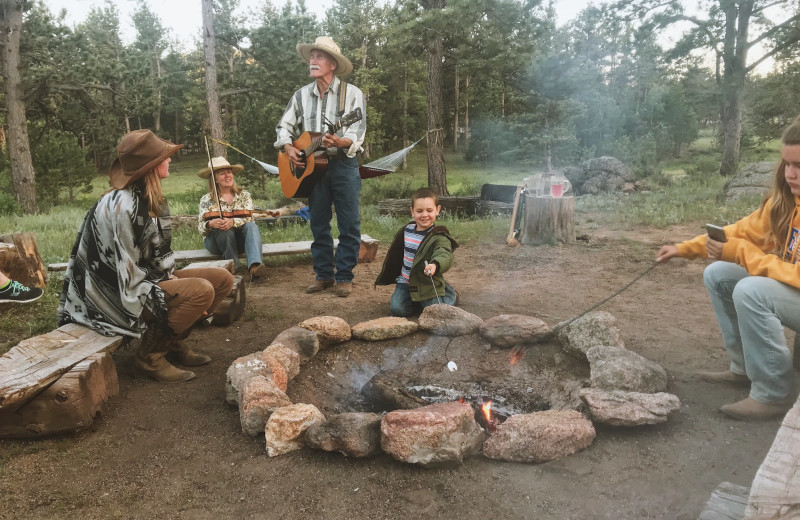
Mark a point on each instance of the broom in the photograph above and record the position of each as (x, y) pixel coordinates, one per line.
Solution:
(511, 240)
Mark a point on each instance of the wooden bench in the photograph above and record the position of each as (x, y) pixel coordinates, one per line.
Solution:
(56, 382)
(369, 248)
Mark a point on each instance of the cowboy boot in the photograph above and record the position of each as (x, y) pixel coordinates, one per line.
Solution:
(186, 356)
(149, 358)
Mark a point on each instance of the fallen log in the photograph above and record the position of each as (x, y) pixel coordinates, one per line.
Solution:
(386, 394)
(465, 206)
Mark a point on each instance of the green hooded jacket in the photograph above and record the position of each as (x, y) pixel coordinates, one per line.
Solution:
(437, 247)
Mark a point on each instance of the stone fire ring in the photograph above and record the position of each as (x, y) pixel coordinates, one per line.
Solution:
(624, 389)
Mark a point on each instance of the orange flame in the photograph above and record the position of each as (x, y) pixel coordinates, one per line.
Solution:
(517, 353)
(486, 408)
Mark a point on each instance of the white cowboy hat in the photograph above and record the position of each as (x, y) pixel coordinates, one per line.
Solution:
(219, 163)
(326, 44)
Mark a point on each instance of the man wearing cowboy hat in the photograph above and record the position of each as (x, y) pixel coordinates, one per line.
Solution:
(327, 98)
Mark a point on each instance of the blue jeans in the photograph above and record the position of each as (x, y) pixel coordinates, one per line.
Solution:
(235, 241)
(752, 311)
(402, 305)
(340, 187)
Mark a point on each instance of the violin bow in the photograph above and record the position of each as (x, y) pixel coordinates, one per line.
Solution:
(213, 178)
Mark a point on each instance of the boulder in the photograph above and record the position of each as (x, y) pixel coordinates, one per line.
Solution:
(446, 320)
(286, 427)
(288, 358)
(330, 329)
(384, 328)
(257, 400)
(753, 179)
(619, 369)
(599, 175)
(303, 341)
(619, 408)
(352, 434)
(595, 329)
(508, 330)
(241, 371)
(435, 434)
(540, 436)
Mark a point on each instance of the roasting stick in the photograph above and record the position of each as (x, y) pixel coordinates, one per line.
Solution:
(434, 285)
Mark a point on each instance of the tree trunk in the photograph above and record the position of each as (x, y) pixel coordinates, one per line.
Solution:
(19, 149)
(367, 147)
(212, 95)
(466, 113)
(22, 262)
(455, 115)
(157, 123)
(735, 46)
(437, 171)
(405, 115)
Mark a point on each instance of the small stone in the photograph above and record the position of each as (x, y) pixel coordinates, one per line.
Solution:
(288, 358)
(435, 434)
(303, 341)
(619, 369)
(508, 330)
(330, 329)
(285, 430)
(446, 320)
(352, 434)
(619, 408)
(540, 436)
(384, 328)
(598, 328)
(258, 399)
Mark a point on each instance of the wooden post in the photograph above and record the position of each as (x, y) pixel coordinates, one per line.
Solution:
(548, 219)
(68, 405)
(22, 262)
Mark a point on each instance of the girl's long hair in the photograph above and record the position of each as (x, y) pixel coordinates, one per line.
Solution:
(783, 206)
(235, 188)
(152, 190)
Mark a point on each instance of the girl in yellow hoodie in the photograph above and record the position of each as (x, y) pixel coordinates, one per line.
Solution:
(755, 290)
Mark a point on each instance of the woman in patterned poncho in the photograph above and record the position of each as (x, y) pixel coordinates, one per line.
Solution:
(120, 277)
(229, 237)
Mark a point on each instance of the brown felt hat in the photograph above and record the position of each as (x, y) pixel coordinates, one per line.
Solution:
(139, 152)
(219, 163)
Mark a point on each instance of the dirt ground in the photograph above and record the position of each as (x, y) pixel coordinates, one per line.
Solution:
(177, 451)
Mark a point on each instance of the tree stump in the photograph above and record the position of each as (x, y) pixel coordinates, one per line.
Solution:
(68, 405)
(547, 220)
(22, 262)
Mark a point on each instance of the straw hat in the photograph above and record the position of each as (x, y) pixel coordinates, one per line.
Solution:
(219, 163)
(326, 44)
(138, 152)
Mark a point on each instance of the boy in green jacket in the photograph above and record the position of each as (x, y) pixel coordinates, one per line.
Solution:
(420, 253)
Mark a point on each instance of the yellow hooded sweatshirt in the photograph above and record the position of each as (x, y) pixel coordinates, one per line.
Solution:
(748, 247)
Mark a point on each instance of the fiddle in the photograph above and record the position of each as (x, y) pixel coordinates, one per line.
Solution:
(241, 213)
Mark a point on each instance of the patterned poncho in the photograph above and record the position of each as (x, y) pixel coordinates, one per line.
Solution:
(119, 256)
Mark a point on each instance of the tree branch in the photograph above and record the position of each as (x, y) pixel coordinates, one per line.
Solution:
(778, 48)
(767, 34)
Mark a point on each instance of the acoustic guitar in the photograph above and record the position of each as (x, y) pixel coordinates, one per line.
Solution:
(297, 181)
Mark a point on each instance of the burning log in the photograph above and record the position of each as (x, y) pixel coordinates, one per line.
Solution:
(389, 395)
(489, 419)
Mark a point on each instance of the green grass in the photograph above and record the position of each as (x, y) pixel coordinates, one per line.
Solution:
(688, 191)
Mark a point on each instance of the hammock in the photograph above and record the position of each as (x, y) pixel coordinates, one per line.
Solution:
(385, 165)
(376, 168)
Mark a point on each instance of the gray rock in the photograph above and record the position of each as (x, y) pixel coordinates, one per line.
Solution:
(507, 330)
(619, 369)
(610, 165)
(600, 175)
(241, 371)
(259, 398)
(540, 436)
(602, 182)
(286, 427)
(330, 329)
(598, 328)
(303, 341)
(619, 408)
(436, 434)
(384, 328)
(352, 434)
(753, 179)
(446, 320)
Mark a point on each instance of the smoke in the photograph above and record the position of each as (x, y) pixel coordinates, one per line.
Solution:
(395, 358)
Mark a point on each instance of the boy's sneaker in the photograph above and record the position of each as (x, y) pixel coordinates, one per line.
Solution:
(15, 292)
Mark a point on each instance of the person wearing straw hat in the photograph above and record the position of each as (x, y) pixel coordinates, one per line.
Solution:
(327, 98)
(229, 236)
(120, 278)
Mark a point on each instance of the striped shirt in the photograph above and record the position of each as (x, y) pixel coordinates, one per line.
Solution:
(411, 241)
(307, 111)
